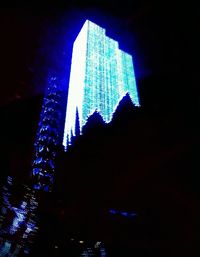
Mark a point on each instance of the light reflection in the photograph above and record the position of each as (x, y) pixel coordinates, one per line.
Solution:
(126, 214)
(18, 222)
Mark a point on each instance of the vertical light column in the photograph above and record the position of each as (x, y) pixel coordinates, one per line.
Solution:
(129, 78)
(76, 84)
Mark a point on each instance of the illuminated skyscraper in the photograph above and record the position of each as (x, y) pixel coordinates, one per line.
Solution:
(101, 75)
(48, 137)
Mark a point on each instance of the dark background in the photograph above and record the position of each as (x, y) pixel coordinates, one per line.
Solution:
(157, 150)
(162, 37)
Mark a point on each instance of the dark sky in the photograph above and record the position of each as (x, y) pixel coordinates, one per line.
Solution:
(161, 37)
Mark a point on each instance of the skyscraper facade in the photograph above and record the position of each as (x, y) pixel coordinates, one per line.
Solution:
(48, 137)
(101, 75)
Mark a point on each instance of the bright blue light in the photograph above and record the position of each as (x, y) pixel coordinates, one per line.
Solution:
(48, 138)
(123, 213)
(101, 75)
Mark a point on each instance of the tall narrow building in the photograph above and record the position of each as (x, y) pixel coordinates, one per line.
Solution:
(101, 75)
(48, 137)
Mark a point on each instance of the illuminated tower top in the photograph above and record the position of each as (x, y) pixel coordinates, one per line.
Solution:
(101, 75)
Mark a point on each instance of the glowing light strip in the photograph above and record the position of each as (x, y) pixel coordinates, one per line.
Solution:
(76, 84)
(101, 75)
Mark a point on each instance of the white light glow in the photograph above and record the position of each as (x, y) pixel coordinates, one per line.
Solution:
(101, 75)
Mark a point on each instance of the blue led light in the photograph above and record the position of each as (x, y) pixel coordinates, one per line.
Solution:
(48, 138)
(101, 75)
(123, 213)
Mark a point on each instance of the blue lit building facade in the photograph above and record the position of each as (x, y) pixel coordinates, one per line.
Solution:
(48, 137)
(101, 75)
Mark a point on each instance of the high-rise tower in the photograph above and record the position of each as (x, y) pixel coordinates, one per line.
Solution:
(101, 75)
(48, 137)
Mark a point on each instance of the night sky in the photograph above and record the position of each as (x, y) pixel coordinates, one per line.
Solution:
(37, 37)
